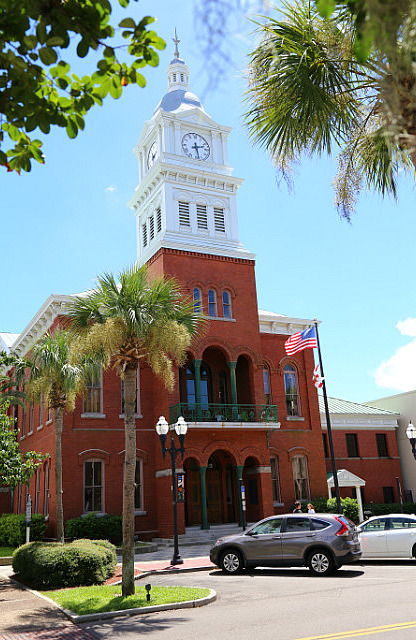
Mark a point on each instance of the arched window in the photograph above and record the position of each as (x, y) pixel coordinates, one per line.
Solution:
(291, 391)
(274, 465)
(197, 295)
(212, 303)
(301, 477)
(138, 486)
(93, 486)
(266, 385)
(226, 305)
(206, 385)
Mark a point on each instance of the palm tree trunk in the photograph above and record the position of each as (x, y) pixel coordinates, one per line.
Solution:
(130, 378)
(59, 419)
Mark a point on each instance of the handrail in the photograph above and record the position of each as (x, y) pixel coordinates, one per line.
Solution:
(219, 412)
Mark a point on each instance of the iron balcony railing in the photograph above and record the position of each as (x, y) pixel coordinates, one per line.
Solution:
(193, 412)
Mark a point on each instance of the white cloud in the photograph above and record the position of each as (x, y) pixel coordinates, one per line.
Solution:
(399, 371)
(111, 189)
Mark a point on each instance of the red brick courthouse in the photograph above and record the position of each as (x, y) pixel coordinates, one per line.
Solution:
(252, 412)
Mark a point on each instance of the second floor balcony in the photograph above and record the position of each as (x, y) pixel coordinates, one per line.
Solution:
(225, 413)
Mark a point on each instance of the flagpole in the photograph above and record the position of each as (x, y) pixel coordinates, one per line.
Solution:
(328, 424)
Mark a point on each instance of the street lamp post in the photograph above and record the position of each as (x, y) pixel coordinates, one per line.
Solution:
(162, 429)
(411, 434)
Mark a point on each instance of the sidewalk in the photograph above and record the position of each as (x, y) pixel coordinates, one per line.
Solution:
(24, 616)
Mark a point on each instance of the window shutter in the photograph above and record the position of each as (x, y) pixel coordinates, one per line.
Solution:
(158, 220)
(219, 220)
(184, 217)
(151, 228)
(201, 216)
(144, 234)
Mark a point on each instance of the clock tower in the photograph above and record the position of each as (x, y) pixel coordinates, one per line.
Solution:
(186, 196)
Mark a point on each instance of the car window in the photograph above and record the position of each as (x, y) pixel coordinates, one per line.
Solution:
(320, 524)
(378, 524)
(298, 524)
(401, 523)
(269, 526)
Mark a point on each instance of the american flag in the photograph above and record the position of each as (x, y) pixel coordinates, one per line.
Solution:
(302, 340)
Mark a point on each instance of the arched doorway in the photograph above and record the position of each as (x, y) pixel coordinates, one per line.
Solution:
(217, 484)
(244, 381)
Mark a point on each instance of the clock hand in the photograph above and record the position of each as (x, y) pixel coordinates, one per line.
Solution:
(195, 146)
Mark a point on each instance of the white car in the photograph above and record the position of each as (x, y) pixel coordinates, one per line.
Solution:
(390, 536)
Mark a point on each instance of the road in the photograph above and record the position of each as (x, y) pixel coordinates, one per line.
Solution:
(371, 600)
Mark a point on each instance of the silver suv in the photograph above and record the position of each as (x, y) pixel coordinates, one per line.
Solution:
(323, 542)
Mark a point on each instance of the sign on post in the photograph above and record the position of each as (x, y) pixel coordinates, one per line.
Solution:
(180, 483)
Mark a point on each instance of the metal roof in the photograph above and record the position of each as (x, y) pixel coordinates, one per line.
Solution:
(335, 405)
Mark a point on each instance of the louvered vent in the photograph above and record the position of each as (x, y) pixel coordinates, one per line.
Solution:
(219, 219)
(144, 234)
(158, 220)
(151, 228)
(201, 216)
(184, 218)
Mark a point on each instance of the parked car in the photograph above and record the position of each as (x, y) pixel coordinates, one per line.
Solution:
(323, 542)
(389, 536)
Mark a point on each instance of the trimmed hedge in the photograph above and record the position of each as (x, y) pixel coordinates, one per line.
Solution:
(52, 565)
(390, 507)
(95, 527)
(13, 529)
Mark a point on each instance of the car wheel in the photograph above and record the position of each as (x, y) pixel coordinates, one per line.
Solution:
(231, 561)
(414, 551)
(321, 563)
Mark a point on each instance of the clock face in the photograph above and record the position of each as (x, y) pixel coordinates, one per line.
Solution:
(152, 155)
(195, 146)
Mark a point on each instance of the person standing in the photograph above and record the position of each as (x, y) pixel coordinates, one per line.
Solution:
(310, 508)
(298, 507)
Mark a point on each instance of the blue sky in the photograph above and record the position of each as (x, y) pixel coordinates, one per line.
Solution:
(67, 221)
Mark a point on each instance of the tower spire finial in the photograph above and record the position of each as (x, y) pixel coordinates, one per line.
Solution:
(176, 41)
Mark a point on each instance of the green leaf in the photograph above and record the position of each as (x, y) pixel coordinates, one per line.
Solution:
(55, 41)
(72, 129)
(82, 48)
(48, 55)
(124, 3)
(127, 23)
(140, 80)
(30, 42)
(41, 32)
(325, 7)
(115, 88)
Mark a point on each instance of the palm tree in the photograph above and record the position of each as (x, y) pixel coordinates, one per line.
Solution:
(60, 382)
(309, 94)
(9, 384)
(120, 323)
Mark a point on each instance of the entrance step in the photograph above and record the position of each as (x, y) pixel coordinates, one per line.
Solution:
(197, 536)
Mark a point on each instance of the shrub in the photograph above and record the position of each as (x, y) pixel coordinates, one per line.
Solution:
(393, 507)
(95, 527)
(13, 529)
(349, 508)
(55, 565)
(320, 504)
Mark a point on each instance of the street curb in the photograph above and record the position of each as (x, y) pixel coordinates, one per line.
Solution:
(187, 604)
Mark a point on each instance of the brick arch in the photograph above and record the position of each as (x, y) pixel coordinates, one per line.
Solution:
(222, 445)
(287, 360)
(191, 284)
(244, 350)
(214, 341)
(93, 453)
(195, 454)
(255, 452)
(297, 451)
(140, 453)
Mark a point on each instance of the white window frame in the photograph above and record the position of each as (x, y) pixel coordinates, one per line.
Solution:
(219, 219)
(31, 418)
(101, 461)
(277, 498)
(41, 411)
(198, 308)
(302, 479)
(296, 377)
(93, 414)
(37, 490)
(228, 305)
(214, 303)
(184, 214)
(46, 480)
(139, 470)
(202, 217)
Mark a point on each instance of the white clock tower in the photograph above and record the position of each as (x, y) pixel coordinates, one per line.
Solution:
(186, 196)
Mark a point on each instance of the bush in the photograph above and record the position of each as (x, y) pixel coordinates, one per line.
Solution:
(13, 529)
(95, 527)
(349, 508)
(52, 565)
(320, 504)
(393, 507)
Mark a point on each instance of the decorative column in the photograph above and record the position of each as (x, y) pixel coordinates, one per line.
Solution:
(197, 368)
(203, 491)
(360, 503)
(233, 380)
(239, 471)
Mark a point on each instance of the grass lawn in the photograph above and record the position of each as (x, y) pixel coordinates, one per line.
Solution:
(6, 551)
(97, 599)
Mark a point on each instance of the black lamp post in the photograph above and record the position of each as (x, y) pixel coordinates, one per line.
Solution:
(162, 429)
(411, 434)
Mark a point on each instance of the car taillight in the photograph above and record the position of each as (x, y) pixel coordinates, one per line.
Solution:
(344, 529)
